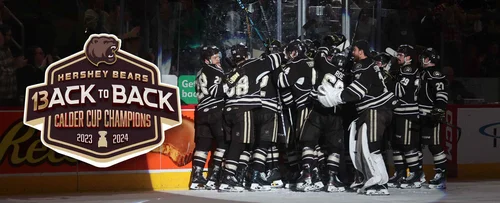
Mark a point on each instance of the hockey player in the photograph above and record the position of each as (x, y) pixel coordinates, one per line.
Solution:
(243, 97)
(271, 104)
(374, 106)
(405, 142)
(432, 106)
(324, 122)
(297, 75)
(209, 120)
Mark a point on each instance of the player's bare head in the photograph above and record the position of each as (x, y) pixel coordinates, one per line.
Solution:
(210, 55)
(361, 50)
(239, 53)
(295, 49)
(405, 54)
(429, 58)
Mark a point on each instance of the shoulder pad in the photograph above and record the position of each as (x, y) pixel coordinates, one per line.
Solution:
(407, 69)
(436, 74)
(357, 67)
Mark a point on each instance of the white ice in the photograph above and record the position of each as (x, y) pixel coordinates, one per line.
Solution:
(471, 192)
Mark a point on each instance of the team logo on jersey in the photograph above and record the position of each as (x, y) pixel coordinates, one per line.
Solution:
(358, 66)
(407, 69)
(436, 73)
(102, 105)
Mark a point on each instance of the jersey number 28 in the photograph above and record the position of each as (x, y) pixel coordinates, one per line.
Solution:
(241, 87)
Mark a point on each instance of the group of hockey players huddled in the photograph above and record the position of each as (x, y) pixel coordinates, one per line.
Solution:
(283, 119)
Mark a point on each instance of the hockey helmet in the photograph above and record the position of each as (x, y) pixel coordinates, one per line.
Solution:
(339, 60)
(297, 46)
(274, 46)
(406, 49)
(431, 54)
(239, 52)
(207, 52)
(385, 60)
(383, 57)
(311, 48)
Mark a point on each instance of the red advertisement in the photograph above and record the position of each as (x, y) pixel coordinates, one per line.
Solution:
(21, 150)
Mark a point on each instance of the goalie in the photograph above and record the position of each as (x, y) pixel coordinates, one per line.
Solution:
(374, 104)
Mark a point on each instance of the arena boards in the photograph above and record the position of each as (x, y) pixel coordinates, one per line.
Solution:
(27, 167)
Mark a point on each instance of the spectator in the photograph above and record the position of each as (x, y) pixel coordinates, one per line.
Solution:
(96, 18)
(38, 59)
(26, 74)
(8, 82)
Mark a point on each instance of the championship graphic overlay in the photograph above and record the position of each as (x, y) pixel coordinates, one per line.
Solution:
(102, 105)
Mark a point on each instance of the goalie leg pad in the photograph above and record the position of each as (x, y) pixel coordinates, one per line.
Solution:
(352, 142)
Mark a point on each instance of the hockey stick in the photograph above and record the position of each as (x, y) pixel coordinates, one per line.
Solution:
(391, 51)
(247, 13)
(370, 4)
(265, 18)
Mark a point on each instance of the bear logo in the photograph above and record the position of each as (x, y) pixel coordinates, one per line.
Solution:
(102, 49)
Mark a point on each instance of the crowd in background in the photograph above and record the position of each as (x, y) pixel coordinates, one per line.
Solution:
(465, 31)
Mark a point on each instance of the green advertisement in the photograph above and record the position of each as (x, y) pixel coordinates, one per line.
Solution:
(186, 84)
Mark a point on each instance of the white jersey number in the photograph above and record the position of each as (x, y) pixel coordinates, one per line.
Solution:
(201, 86)
(333, 81)
(439, 86)
(263, 83)
(241, 88)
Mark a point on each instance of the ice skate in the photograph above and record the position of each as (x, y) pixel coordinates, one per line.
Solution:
(213, 178)
(258, 182)
(412, 181)
(377, 190)
(317, 182)
(334, 184)
(274, 177)
(396, 180)
(197, 180)
(291, 180)
(229, 183)
(304, 182)
(357, 184)
(439, 180)
(242, 177)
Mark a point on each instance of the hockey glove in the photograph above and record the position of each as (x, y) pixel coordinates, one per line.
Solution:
(438, 115)
(234, 76)
(329, 96)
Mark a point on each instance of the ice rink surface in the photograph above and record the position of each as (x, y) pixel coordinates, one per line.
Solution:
(471, 192)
